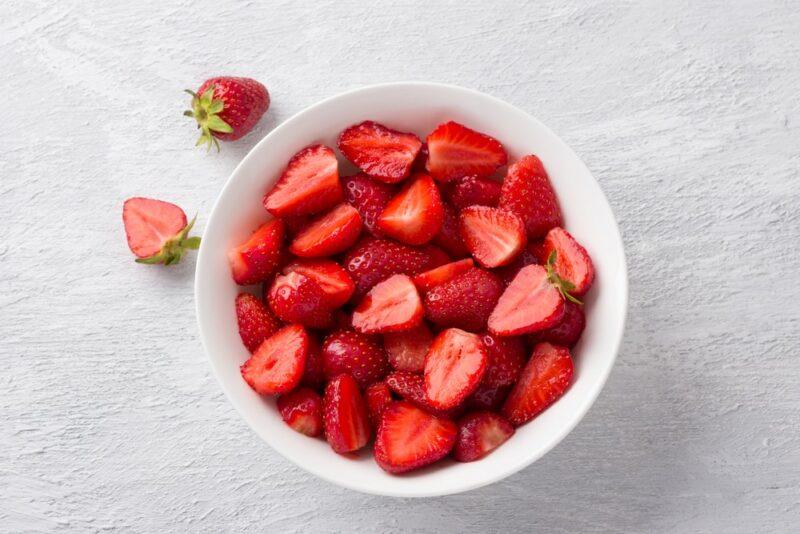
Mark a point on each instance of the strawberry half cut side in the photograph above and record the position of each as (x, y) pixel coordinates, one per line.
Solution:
(391, 306)
(455, 151)
(157, 231)
(454, 367)
(381, 152)
(530, 302)
(309, 184)
(277, 365)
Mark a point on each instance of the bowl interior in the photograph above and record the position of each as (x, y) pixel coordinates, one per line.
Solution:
(415, 107)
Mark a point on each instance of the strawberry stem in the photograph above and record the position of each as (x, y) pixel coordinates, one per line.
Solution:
(205, 110)
(175, 248)
(564, 286)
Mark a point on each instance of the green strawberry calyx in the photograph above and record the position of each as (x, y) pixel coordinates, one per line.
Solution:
(175, 248)
(565, 287)
(205, 110)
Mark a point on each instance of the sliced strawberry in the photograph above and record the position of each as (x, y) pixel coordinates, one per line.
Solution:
(309, 184)
(571, 261)
(568, 331)
(257, 258)
(391, 306)
(345, 415)
(435, 256)
(369, 197)
(454, 367)
(530, 255)
(438, 276)
(277, 365)
(487, 398)
(296, 298)
(527, 193)
(465, 302)
(301, 409)
(378, 397)
(479, 433)
(407, 350)
(157, 231)
(414, 216)
(331, 277)
(455, 151)
(409, 438)
(506, 359)
(546, 377)
(474, 191)
(314, 372)
(358, 355)
(295, 223)
(494, 236)
(379, 151)
(449, 236)
(256, 321)
(411, 387)
(328, 234)
(531, 302)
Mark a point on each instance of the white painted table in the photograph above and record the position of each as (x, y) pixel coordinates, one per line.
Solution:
(687, 114)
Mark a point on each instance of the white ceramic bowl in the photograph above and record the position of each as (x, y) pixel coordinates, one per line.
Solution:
(415, 107)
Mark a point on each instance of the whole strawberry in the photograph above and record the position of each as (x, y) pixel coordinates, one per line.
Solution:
(226, 108)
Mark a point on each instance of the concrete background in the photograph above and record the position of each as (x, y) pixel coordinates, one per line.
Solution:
(686, 112)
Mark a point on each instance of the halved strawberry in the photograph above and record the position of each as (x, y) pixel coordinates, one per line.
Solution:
(444, 273)
(296, 298)
(465, 302)
(449, 236)
(256, 321)
(479, 433)
(301, 409)
(379, 151)
(570, 261)
(309, 184)
(409, 438)
(407, 350)
(331, 277)
(328, 234)
(454, 367)
(506, 359)
(378, 397)
(455, 151)
(530, 255)
(391, 306)
(566, 332)
(474, 191)
(530, 302)
(546, 377)
(277, 365)
(257, 258)
(414, 216)
(358, 355)
(314, 372)
(494, 236)
(411, 387)
(369, 197)
(527, 193)
(157, 231)
(487, 398)
(345, 419)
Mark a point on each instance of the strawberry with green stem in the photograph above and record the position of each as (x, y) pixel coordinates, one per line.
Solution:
(157, 231)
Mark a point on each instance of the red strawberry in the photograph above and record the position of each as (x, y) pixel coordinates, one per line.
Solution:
(568, 331)
(546, 377)
(487, 398)
(359, 355)
(414, 216)
(345, 420)
(295, 223)
(302, 410)
(530, 303)
(407, 350)
(411, 387)
(331, 277)
(438, 276)
(454, 367)
(436, 257)
(256, 321)
(378, 397)
(571, 261)
(465, 302)
(479, 433)
(328, 234)
(296, 298)
(369, 197)
(474, 191)
(309, 184)
(449, 236)
(494, 236)
(381, 152)
(391, 306)
(257, 258)
(409, 438)
(277, 365)
(527, 193)
(314, 372)
(455, 151)
(157, 230)
(227, 107)
(506, 359)
(529, 256)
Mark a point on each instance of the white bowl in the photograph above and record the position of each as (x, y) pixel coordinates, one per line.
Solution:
(416, 107)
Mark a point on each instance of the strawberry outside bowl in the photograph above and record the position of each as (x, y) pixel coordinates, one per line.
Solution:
(414, 107)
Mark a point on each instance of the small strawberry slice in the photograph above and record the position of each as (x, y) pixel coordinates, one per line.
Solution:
(449, 236)
(378, 397)
(506, 360)
(256, 321)
(296, 298)
(411, 387)
(488, 398)
(257, 258)
(570, 261)
(358, 355)
(546, 377)
(407, 350)
(409, 438)
(328, 234)
(391, 306)
(331, 277)
(494, 236)
(465, 302)
(414, 216)
(277, 365)
(479, 433)
(530, 302)
(369, 197)
(314, 372)
(301, 409)
(444, 273)
(568, 331)
(345, 415)
(381, 152)
(530, 255)
(157, 231)
(309, 184)
(455, 151)
(454, 367)
(527, 192)
(474, 191)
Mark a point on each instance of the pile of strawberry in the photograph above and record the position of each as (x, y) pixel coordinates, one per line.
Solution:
(403, 302)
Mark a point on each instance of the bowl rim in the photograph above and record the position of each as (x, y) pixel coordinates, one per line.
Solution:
(587, 401)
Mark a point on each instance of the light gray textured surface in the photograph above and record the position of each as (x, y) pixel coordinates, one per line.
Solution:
(686, 112)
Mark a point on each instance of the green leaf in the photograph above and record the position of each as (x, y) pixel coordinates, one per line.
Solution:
(191, 243)
(151, 260)
(551, 259)
(188, 113)
(207, 96)
(216, 106)
(215, 123)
